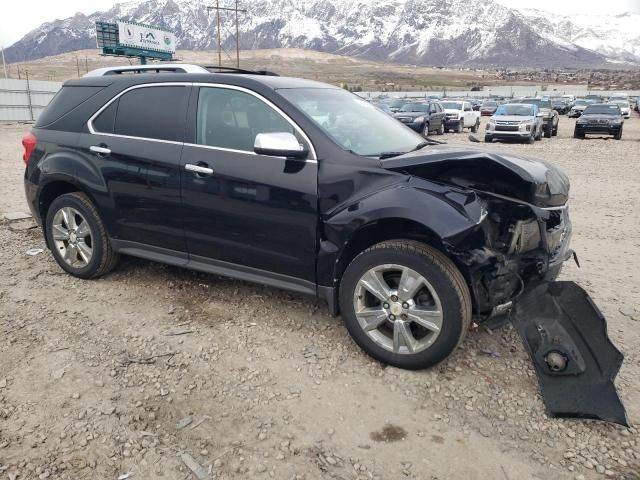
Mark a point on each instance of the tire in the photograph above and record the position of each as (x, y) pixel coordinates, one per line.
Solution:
(548, 131)
(399, 341)
(532, 139)
(425, 130)
(460, 127)
(576, 134)
(78, 262)
(538, 135)
(618, 136)
(440, 130)
(487, 139)
(555, 130)
(475, 128)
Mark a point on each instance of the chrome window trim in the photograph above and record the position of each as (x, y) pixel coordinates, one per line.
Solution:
(92, 131)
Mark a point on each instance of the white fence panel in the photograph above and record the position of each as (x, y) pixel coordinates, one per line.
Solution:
(24, 100)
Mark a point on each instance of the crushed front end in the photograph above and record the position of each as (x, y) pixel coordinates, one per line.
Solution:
(512, 256)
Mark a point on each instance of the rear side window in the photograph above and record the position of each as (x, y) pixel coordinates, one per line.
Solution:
(63, 102)
(148, 112)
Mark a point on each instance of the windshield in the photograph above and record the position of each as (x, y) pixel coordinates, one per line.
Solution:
(582, 102)
(541, 103)
(353, 123)
(397, 103)
(518, 110)
(452, 105)
(415, 107)
(602, 110)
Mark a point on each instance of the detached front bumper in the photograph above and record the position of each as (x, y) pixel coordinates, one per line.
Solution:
(576, 362)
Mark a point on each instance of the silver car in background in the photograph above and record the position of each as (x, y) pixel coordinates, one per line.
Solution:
(515, 121)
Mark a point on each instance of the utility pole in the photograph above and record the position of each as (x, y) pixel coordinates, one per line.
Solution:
(4, 64)
(237, 10)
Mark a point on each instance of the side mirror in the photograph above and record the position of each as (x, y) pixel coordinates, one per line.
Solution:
(279, 144)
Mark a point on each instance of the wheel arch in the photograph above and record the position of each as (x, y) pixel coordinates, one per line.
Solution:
(54, 189)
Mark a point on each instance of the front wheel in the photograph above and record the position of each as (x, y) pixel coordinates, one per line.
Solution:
(440, 130)
(460, 127)
(618, 136)
(77, 237)
(425, 130)
(548, 130)
(405, 304)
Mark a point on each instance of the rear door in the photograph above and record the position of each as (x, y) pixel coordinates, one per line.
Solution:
(248, 212)
(133, 150)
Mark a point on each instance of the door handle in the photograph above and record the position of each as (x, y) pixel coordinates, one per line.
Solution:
(190, 167)
(100, 150)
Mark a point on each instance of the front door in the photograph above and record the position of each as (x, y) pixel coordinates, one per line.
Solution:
(247, 212)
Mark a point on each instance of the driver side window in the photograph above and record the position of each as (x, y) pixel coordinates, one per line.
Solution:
(231, 119)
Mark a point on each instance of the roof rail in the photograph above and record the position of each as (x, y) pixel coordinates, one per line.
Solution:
(222, 69)
(153, 68)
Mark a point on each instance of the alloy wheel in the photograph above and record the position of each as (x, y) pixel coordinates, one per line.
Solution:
(398, 309)
(72, 237)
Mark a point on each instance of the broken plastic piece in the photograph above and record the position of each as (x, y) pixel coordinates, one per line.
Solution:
(576, 362)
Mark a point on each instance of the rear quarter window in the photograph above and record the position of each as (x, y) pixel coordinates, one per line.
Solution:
(148, 112)
(67, 98)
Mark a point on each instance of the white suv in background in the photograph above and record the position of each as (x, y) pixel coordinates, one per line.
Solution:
(460, 115)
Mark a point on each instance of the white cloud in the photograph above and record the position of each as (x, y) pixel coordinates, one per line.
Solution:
(577, 6)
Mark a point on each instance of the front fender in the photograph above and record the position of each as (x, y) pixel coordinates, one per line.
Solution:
(450, 216)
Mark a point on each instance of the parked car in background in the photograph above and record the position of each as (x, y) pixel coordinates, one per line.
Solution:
(550, 117)
(515, 121)
(476, 104)
(600, 118)
(383, 107)
(578, 107)
(396, 103)
(625, 106)
(561, 105)
(488, 108)
(424, 117)
(570, 98)
(594, 98)
(460, 115)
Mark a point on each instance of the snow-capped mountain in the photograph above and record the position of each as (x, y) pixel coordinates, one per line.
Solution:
(617, 36)
(431, 32)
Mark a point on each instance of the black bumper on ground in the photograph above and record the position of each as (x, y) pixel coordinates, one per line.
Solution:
(576, 362)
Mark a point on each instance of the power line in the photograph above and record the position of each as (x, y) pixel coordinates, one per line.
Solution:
(236, 10)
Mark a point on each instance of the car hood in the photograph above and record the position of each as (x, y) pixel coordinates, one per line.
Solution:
(578, 107)
(452, 110)
(513, 118)
(520, 178)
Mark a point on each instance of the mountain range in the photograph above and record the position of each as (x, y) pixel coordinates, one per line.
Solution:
(424, 32)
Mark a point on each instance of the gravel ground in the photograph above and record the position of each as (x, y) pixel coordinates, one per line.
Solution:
(158, 372)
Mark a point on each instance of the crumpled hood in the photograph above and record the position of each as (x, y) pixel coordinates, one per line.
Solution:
(532, 181)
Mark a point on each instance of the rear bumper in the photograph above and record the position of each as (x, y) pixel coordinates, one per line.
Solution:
(31, 192)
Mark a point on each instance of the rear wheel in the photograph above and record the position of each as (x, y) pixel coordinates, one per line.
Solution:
(77, 237)
(475, 127)
(405, 304)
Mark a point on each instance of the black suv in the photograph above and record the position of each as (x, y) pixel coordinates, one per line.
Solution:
(423, 117)
(298, 185)
(600, 118)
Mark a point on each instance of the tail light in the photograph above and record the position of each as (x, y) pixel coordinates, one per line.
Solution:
(29, 143)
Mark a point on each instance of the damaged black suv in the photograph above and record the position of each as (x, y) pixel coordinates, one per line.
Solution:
(298, 185)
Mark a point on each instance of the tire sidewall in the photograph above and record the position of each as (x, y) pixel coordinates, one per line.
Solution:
(452, 324)
(70, 200)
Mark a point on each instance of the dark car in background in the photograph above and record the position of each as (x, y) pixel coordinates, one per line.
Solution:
(424, 117)
(488, 108)
(578, 107)
(396, 103)
(561, 105)
(550, 117)
(600, 118)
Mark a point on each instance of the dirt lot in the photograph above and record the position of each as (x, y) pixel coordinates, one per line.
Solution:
(96, 380)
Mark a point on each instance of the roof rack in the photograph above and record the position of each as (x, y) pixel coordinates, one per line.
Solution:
(222, 69)
(133, 69)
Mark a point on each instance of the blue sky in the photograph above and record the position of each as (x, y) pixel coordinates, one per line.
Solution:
(14, 23)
